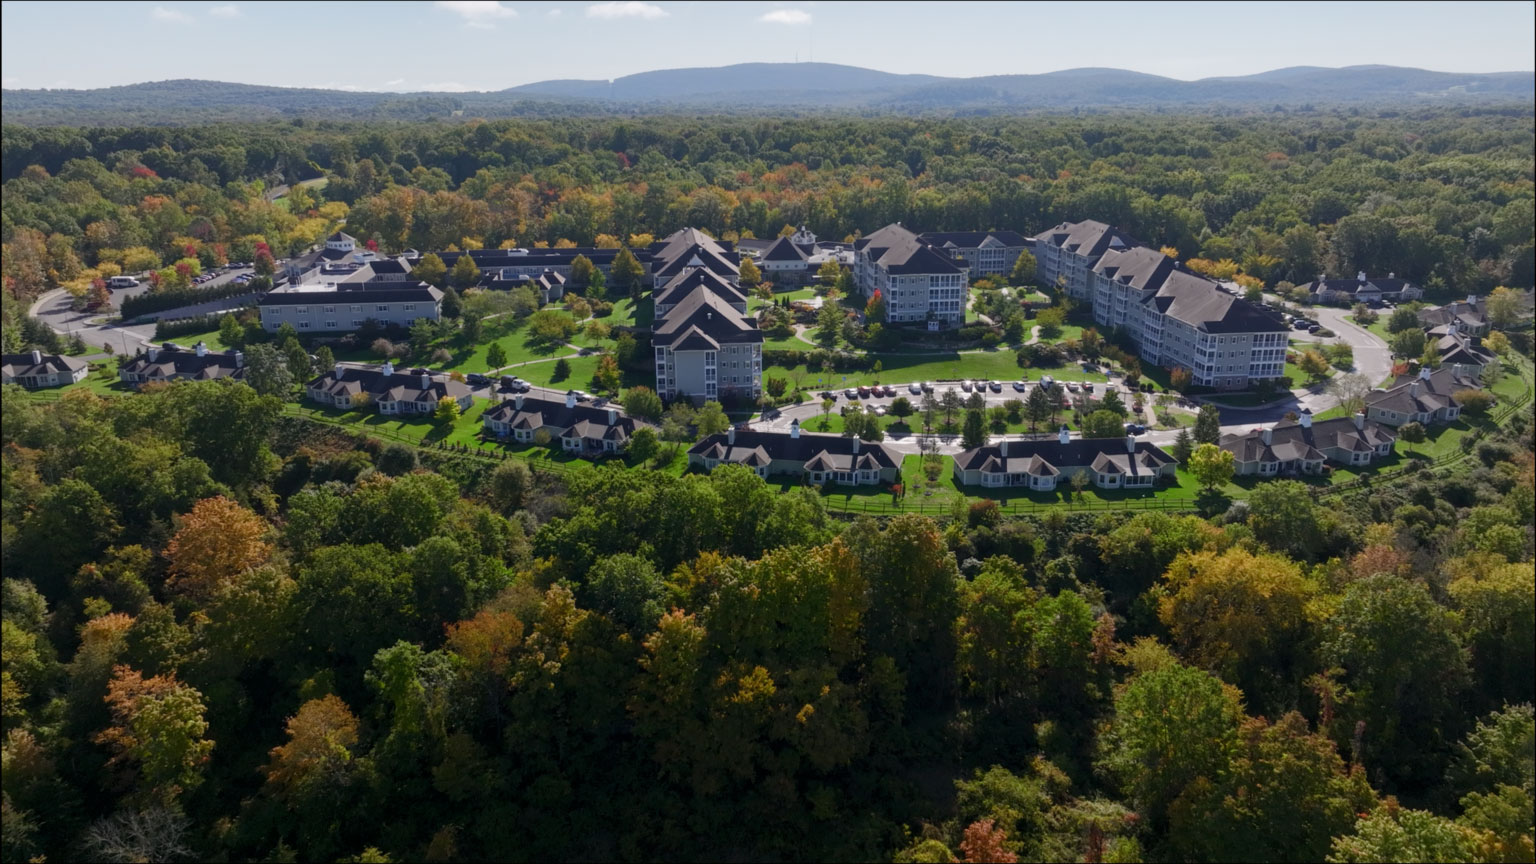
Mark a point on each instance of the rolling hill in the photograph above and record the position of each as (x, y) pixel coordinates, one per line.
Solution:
(750, 87)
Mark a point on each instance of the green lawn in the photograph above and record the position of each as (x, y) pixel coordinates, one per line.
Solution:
(901, 368)
(755, 303)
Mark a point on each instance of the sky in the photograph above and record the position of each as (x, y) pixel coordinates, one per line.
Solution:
(416, 46)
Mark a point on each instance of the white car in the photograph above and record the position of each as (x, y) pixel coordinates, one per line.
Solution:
(879, 410)
(851, 393)
(1071, 386)
(966, 386)
(1019, 386)
(915, 389)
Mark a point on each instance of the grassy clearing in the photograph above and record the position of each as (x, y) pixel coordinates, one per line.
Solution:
(952, 366)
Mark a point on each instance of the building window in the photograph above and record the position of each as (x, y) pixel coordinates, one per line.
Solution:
(303, 325)
(330, 324)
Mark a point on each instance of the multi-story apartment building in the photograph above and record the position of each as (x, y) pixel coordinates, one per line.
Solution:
(1178, 318)
(516, 264)
(171, 362)
(337, 298)
(705, 349)
(985, 253)
(916, 280)
(34, 369)
(1066, 254)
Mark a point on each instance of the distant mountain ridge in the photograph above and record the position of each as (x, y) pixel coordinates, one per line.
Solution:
(763, 86)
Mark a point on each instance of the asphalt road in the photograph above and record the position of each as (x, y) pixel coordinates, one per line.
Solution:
(53, 308)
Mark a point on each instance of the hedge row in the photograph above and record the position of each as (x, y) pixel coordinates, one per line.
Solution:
(159, 300)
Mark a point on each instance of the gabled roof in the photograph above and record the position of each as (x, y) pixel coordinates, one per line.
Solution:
(902, 252)
(396, 387)
(710, 316)
(1048, 457)
(1290, 440)
(1384, 285)
(973, 239)
(814, 452)
(783, 250)
(684, 283)
(1089, 239)
(184, 363)
(1419, 394)
(1198, 302)
(341, 236)
(721, 263)
(24, 365)
(582, 420)
(1456, 348)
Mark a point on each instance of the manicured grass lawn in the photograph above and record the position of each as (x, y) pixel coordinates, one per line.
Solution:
(190, 339)
(755, 303)
(629, 314)
(1068, 331)
(953, 366)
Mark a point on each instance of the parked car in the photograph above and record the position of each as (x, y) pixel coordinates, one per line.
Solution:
(1301, 324)
(1071, 386)
(851, 393)
(1047, 382)
(863, 392)
(1135, 429)
(1314, 328)
(915, 388)
(995, 386)
(890, 390)
(1019, 386)
(477, 379)
(879, 410)
(927, 386)
(966, 386)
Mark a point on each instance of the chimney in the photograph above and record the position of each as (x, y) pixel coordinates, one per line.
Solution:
(1064, 436)
(426, 381)
(338, 371)
(730, 436)
(154, 353)
(1130, 443)
(613, 416)
(1267, 436)
(794, 429)
(855, 443)
(517, 401)
(1360, 275)
(239, 359)
(201, 348)
(388, 369)
(1391, 275)
(1456, 371)
(1306, 418)
(37, 357)
(570, 398)
(1360, 420)
(1425, 372)
(1413, 390)
(1471, 299)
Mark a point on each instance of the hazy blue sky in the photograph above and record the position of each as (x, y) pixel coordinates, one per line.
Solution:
(489, 46)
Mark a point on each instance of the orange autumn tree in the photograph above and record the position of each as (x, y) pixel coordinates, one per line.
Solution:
(320, 741)
(984, 842)
(157, 731)
(218, 539)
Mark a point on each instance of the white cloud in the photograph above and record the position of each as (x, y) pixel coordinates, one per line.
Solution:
(160, 13)
(482, 14)
(230, 11)
(555, 13)
(631, 9)
(786, 16)
(395, 83)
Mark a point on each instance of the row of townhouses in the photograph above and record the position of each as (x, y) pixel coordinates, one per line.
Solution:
(1040, 465)
(1362, 289)
(171, 362)
(810, 458)
(35, 370)
(1175, 317)
(579, 426)
(415, 391)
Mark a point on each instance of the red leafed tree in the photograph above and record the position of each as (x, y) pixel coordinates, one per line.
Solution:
(265, 264)
(372, 244)
(147, 173)
(875, 308)
(189, 251)
(984, 842)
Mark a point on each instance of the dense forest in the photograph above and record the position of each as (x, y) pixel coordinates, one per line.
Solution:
(1444, 197)
(235, 635)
